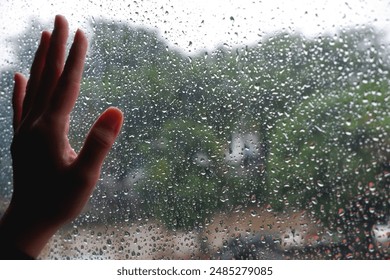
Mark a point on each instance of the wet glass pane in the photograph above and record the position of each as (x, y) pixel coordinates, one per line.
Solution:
(253, 130)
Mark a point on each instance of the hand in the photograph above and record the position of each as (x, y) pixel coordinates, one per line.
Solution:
(52, 183)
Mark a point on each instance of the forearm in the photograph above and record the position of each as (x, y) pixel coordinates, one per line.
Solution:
(21, 238)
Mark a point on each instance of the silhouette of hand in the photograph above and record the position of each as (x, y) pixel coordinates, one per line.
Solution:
(52, 183)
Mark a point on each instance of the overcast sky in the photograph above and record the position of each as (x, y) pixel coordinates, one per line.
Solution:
(198, 24)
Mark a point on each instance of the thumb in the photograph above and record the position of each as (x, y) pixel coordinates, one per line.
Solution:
(99, 141)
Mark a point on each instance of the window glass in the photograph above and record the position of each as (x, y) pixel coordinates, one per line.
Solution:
(253, 130)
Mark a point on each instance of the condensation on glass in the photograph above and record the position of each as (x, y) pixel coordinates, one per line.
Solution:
(263, 145)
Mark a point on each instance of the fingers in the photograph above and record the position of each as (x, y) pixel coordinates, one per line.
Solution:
(99, 141)
(17, 98)
(36, 72)
(53, 67)
(67, 90)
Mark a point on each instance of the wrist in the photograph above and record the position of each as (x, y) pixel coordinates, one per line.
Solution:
(20, 236)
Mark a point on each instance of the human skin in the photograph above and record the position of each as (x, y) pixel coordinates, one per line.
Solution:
(51, 182)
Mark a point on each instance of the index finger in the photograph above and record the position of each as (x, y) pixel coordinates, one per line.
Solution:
(67, 90)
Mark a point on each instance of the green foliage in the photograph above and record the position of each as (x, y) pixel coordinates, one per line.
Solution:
(329, 150)
(182, 184)
(318, 108)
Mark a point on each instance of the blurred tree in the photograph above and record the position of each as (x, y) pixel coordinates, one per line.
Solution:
(330, 153)
(183, 184)
(311, 112)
